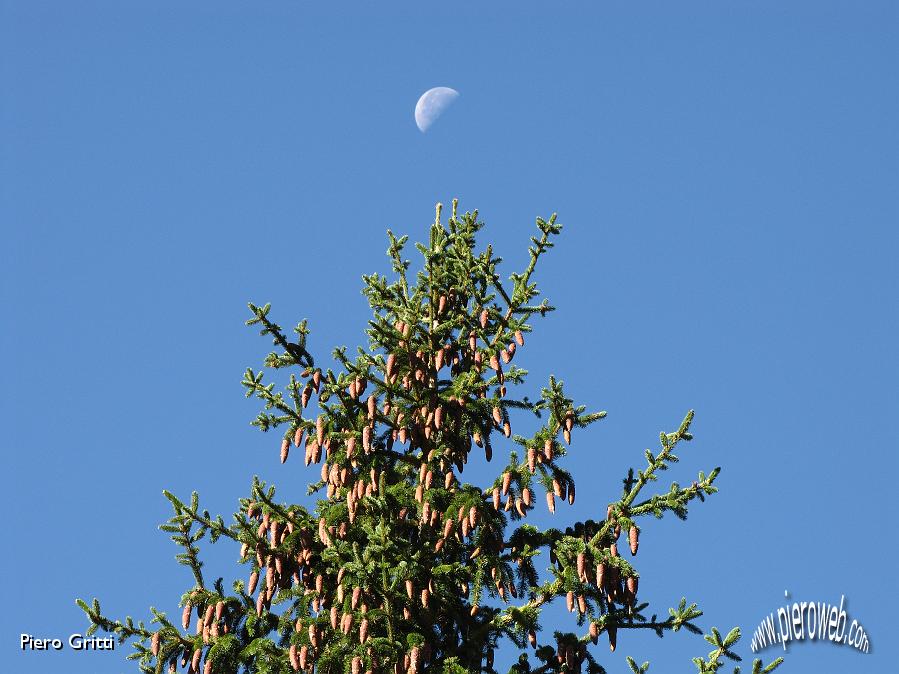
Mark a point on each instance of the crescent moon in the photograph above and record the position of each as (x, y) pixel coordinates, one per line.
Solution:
(432, 104)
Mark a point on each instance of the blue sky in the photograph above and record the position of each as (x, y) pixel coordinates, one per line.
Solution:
(726, 173)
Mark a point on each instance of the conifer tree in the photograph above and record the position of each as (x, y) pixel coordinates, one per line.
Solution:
(404, 566)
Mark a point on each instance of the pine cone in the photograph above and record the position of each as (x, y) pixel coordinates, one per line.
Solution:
(594, 632)
(581, 564)
(551, 502)
(356, 667)
(185, 616)
(634, 539)
(294, 660)
(485, 315)
(391, 362)
(438, 417)
(285, 449)
(154, 643)
(363, 631)
(304, 651)
(507, 481)
(320, 429)
(298, 436)
(372, 406)
(613, 636)
(600, 574)
(526, 496)
(532, 460)
(195, 660)
(569, 601)
(548, 449)
(632, 587)
(410, 590)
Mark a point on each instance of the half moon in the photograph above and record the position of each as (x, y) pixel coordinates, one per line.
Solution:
(432, 104)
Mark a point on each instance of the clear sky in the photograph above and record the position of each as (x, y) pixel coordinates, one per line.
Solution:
(726, 173)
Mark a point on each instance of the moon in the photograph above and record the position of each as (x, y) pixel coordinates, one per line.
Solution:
(432, 104)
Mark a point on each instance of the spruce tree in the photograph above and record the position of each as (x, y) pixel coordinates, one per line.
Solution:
(404, 566)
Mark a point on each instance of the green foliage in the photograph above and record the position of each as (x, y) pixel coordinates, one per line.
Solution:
(402, 565)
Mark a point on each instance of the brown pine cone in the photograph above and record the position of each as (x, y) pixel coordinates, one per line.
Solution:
(507, 481)
(195, 660)
(485, 316)
(548, 450)
(285, 449)
(410, 590)
(634, 539)
(632, 587)
(569, 601)
(600, 574)
(551, 502)
(391, 362)
(154, 643)
(363, 631)
(496, 496)
(298, 436)
(581, 564)
(320, 429)
(526, 496)
(304, 652)
(594, 632)
(334, 615)
(532, 460)
(185, 616)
